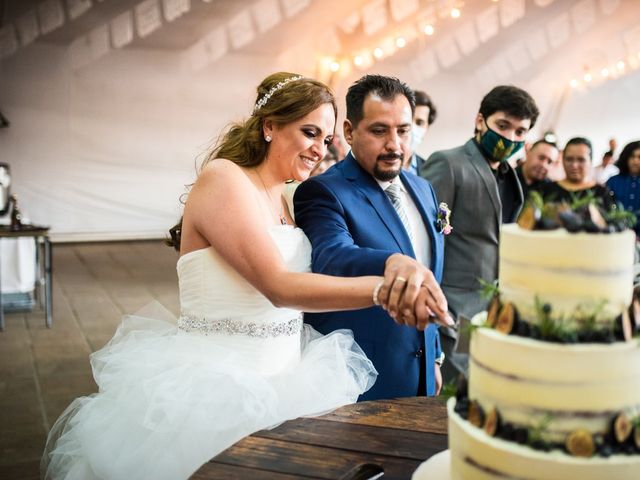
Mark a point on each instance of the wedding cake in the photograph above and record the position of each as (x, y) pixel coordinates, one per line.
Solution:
(553, 388)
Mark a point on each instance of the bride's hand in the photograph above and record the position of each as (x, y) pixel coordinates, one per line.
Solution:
(425, 314)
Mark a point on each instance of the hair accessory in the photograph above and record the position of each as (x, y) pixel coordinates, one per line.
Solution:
(265, 98)
(267, 138)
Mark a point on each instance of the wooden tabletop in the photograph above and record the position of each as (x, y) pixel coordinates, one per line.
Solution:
(24, 231)
(392, 435)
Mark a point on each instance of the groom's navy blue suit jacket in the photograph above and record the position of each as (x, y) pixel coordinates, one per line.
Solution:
(353, 229)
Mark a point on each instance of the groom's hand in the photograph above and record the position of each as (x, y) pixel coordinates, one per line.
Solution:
(411, 294)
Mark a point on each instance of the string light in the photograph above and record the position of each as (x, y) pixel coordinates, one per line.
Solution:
(365, 57)
(587, 77)
(573, 83)
(620, 65)
(604, 72)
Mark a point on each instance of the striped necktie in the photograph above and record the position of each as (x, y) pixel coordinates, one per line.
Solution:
(393, 192)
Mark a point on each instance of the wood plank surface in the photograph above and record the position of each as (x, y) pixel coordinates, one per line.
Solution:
(359, 438)
(219, 471)
(396, 435)
(308, 460)
(419, 414)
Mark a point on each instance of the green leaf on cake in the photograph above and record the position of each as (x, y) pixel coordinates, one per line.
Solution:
(618, 214)
(579, 202)
(538, 431)
(536, 199)
(488, 289)
(449, 390)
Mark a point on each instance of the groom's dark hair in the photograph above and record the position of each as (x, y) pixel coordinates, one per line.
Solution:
(386, 88)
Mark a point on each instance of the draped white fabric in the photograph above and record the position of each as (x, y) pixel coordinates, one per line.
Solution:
(17, 264)
(102, 146)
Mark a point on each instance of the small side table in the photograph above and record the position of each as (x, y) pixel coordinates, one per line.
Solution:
(40, 234)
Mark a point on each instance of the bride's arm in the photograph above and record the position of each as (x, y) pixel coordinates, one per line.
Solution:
(223, 209)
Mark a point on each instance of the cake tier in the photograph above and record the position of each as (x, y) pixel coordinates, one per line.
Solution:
(567, 386)
(477, 456)
(566, 270)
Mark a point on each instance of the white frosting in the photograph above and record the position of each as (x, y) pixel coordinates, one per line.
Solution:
(477, 456)
(576, 386)
(566, 270)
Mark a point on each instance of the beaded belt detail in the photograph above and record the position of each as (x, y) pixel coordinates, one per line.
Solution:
(192, 323)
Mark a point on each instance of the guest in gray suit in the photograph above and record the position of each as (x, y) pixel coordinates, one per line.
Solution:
(482, 191)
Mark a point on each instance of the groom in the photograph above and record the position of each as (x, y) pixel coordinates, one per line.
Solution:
(365, 214)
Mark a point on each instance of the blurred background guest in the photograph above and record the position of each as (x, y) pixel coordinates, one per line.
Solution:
(577, 183)
(533, 172)
(606, 169)
(626, 185)
(423, 117)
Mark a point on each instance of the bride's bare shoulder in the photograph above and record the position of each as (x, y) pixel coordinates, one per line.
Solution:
(221, 170)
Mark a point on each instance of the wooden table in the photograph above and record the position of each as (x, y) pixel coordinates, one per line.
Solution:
(40, 235)
(395, 435)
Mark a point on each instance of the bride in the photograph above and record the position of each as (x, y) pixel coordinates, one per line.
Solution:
(171, 396)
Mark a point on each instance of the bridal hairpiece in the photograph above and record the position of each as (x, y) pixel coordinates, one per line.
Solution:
(265, 98)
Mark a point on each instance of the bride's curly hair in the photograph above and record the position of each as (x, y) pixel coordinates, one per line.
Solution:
(244, 142)
(282, 98)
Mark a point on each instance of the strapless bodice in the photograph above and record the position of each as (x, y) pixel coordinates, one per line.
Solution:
(216, 300)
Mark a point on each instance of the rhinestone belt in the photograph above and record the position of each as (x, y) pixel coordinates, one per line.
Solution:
(192, 323)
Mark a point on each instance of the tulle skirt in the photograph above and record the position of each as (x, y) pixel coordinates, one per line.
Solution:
(169, 400)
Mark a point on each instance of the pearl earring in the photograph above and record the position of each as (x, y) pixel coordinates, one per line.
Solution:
(267, 138)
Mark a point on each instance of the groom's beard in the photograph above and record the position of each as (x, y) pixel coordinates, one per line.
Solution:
(385, 173)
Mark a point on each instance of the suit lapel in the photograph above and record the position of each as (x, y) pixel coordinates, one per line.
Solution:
(367, 185)
(481, 166)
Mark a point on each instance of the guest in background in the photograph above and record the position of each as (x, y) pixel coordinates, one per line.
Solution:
(626, 185)
(576, 160)
(556, 170)
(482, 191)
(423, 117)
(532, 173)
(606, 169)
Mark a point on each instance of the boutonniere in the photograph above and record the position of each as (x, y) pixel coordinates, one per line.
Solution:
(443, 222)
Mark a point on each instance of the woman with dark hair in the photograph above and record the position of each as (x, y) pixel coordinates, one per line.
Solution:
(576, 160)
(626, 185)
(172, 396)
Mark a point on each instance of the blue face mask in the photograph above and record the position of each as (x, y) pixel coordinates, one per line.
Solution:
(498, 147)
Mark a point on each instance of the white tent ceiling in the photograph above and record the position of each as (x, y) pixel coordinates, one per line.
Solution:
(112, 103)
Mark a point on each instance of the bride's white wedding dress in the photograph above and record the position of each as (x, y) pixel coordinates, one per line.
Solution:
(173, 396)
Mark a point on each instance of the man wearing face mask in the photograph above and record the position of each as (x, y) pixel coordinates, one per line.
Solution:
(423, 117)
(482, 191)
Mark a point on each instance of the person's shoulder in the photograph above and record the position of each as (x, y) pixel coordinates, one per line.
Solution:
(451, 152)
(332, 176)
(220, 169)
(451, 156)
(221, 177)
(616, 179)
(418, 182)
